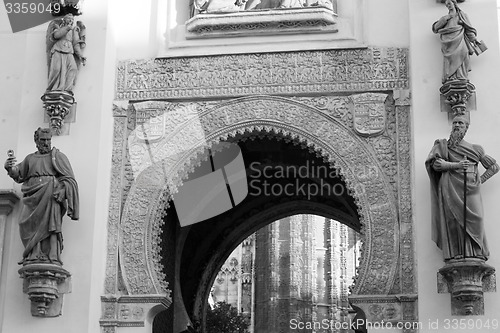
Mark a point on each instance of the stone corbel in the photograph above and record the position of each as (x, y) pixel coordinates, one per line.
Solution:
(458, 97)
(60, 109)
(466, 280)
(45, 285)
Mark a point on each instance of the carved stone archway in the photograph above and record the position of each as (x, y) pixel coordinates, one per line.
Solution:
(373, 165)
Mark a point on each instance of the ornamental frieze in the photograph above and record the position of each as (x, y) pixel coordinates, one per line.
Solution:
(294, 73)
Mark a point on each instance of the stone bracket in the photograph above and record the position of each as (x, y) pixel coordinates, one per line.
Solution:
(466, 280)
(458, 97)
(45, 285)
(59, 108)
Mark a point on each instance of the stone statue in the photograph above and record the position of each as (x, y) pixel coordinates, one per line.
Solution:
(49, 191)
(458, 42)
(65, 44)
(446, 165)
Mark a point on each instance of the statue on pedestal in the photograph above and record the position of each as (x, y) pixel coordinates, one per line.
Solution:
(452, 166)
(49, 191)
(65, 43)
(458, 42)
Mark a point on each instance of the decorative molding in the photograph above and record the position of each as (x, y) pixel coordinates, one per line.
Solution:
(291, 74)
(115, 202)
(8, 199)
(401, 308)
(262, 22)
(129, 311)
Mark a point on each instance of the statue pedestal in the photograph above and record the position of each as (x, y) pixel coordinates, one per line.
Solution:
(45, 285)
(458, 97)
(466, 280)
(58, 105)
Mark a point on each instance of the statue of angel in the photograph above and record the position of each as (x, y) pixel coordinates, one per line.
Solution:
(65, 44)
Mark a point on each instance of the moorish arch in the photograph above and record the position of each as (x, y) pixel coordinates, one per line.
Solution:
(157, 144)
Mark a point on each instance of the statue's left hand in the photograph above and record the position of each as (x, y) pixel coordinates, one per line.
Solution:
(59, 194)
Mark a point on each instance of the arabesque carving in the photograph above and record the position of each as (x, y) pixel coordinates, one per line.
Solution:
(291, 74)
(375, 168)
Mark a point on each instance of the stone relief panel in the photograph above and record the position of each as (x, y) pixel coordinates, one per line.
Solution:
(229, 18)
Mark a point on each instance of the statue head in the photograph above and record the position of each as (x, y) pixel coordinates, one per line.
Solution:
(43, 140)
(68, 19)
(452, 5)
(459, 128)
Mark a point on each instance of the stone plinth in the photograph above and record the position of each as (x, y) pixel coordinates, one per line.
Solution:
(458, 97)
(45, 285)
(466, 280)
(57, 105)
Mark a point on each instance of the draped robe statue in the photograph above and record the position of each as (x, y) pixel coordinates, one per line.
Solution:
(49, 191)
(65, 44)
(458, 39)
(445, 165)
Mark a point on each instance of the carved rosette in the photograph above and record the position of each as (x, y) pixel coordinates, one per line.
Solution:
(457, 96)
(57, 105)
(45, 285)
(466, 281)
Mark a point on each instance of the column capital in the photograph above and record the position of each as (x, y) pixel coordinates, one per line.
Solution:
(8, 199)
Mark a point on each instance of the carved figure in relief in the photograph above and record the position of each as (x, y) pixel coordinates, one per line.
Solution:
(65, 44)
(49, 191)
(446, 165)
(211, 6)
(458, 42)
